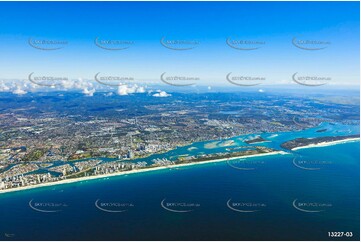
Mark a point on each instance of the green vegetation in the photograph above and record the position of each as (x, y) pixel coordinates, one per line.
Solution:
(34, 155)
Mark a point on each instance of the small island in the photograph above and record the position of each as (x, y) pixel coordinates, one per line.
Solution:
(258, 139)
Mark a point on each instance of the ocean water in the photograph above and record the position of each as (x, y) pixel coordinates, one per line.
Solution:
(279, 197)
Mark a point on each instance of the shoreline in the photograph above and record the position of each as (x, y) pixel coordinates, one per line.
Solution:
(87, 178)
(324, 144)
(121, 173)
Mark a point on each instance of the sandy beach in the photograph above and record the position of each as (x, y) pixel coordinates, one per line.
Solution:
(87, 178)
(150, 169)
(322, 144)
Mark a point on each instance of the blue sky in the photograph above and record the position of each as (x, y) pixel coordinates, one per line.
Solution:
(211, 23)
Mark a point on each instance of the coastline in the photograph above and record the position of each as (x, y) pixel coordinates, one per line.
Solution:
(81, 179)
(323, 144)
(87, 178)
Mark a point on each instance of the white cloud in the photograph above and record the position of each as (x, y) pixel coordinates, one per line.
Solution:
(141, 90)
(161, 94)
(4, 87)
(125, 89)
(19, 91)
(122, 90)
(88, 92)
